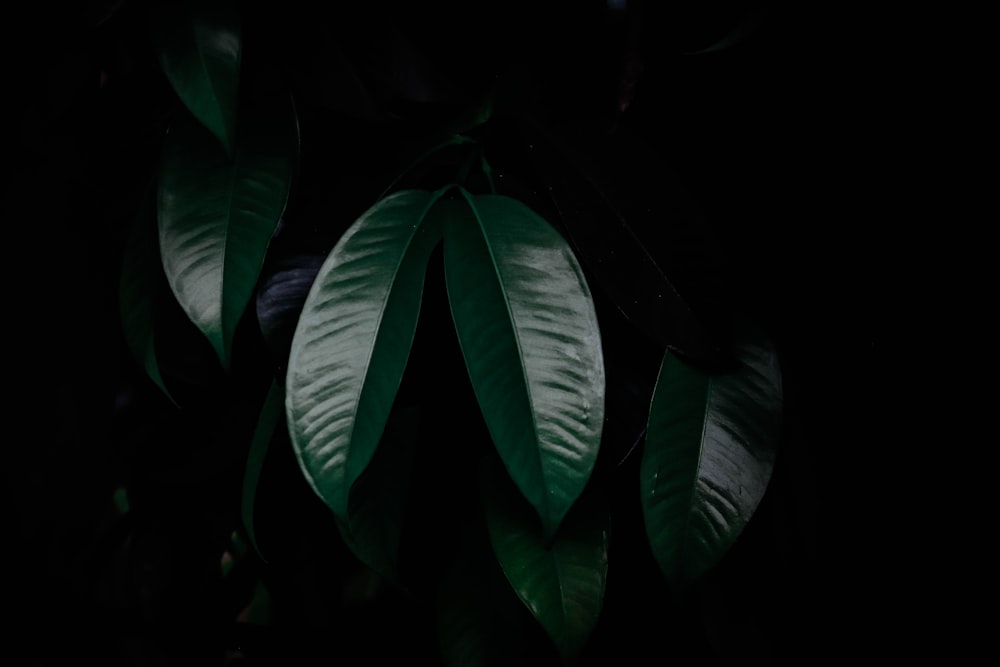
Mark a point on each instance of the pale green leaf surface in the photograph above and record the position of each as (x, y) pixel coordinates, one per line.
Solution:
(529, 335)
(353, 339)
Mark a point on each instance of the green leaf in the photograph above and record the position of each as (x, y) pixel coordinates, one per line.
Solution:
(377, 504)
(561, 580)
(709, 452)
(270, 416)
(480, 621)
(138, 284)
(217, 216)
(529, 334)
(199, 46)
(353, 339)
(603, 190)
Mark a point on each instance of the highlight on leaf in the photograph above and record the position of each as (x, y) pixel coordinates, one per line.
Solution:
(529, 335)
(353, 339)
(217, 215)
(708, 456)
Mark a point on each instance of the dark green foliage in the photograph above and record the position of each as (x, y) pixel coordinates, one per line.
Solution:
(394, 336)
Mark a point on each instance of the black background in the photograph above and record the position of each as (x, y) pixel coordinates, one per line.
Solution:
(788, 148)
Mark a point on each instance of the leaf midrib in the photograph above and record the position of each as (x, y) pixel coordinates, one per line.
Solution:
(688, 514)
(202, 62)
(381, 312)
(517, 339)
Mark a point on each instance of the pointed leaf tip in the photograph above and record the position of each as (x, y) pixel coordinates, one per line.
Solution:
(709, 452)
(217, 215)
(560, 579)
(200, 48)
(529, 334)
(353, 339)
(138, 281)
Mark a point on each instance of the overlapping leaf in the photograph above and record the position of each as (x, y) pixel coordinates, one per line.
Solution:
(530, 338)
(600, 197)
(353, 339)
(199, 47)
(708, 457)
(561, 580)
(377, 505)
(217, 215)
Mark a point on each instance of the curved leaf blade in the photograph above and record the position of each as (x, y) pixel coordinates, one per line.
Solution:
(200, 47)
(561, 580)
(377, 504)
(270, 417)
(353, 339)
(600, 196)
(709, 452)
(217, 216)
(138, 282)
(529, 334)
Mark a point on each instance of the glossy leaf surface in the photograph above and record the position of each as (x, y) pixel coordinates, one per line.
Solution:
(217, 216)
(709, 452)
(530, 338)
(598, 210)
(199, 47)
(561, 580)
(353, 340)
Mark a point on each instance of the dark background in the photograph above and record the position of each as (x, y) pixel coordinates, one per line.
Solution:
(783, 151)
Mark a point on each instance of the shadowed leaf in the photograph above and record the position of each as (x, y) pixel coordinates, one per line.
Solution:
(480, 621)
(200, 46)
(377, 506)
(597, 209)
(217, 216)
(708, 457)
(271, 416)
(561, 580)
(741, 31)
(140, 273)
